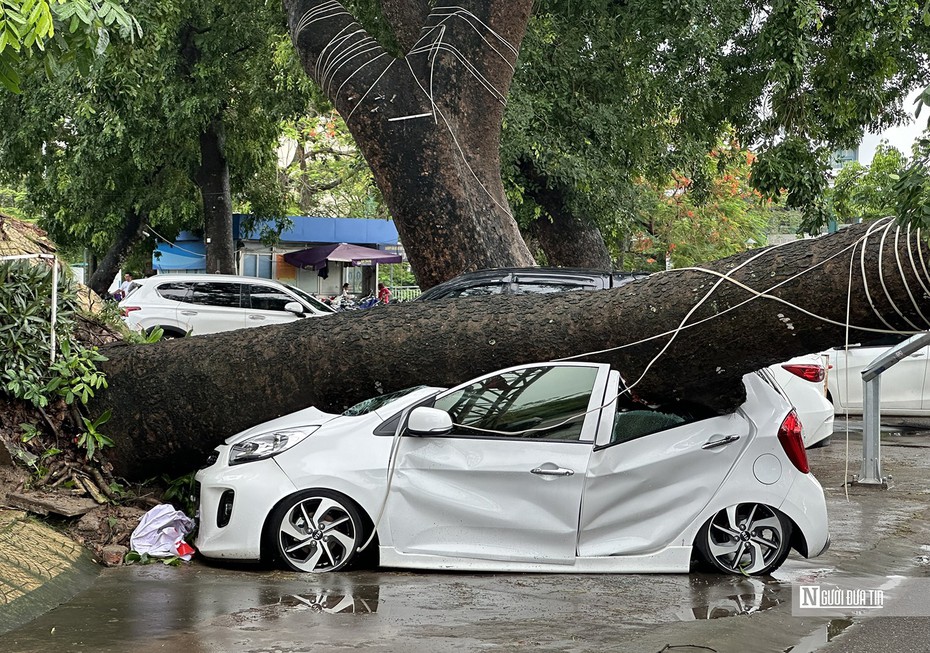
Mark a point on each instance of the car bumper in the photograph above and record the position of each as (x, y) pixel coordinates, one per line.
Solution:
(806, 505)
(817, 425)
(256, 488)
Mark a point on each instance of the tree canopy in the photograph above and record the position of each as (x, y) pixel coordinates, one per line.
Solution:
(52, 34)
(123, 142)
(610, 92)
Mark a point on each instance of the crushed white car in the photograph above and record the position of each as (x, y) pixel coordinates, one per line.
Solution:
(546, 467)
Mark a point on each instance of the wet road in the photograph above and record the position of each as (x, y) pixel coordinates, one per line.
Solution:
(199, 608)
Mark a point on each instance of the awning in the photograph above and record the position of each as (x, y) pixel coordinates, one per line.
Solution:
(317, 257)
(183, 255)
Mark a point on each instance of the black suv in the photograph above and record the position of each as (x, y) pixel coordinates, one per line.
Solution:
(523, 281)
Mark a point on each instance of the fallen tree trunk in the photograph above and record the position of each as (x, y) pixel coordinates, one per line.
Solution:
(686, 333)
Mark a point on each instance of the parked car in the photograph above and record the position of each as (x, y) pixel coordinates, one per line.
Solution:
(904, 389)
(803, 379)
(546, 467)
(209, 303)
(797, 377)
(520, 281)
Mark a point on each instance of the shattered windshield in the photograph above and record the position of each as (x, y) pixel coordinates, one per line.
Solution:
(374, 403)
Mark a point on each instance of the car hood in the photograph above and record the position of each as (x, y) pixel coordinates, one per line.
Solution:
(306, 417)
(315, 417)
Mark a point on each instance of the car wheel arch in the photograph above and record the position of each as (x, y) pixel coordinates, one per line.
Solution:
(168, 331)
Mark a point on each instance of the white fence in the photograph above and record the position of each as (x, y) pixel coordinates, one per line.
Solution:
(404, 293)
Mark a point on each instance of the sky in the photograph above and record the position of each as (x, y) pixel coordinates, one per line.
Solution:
(901, 137)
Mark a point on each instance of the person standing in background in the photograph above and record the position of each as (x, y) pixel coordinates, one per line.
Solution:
(384, 294)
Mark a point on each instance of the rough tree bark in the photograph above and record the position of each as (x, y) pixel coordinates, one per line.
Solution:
(213, 181)
(428, 124)
(174, 401)
(567, 239)
(112, 261)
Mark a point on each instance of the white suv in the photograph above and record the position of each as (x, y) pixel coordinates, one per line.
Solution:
(209, 303)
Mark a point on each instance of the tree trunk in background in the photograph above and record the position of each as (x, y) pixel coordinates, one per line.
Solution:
(213, 181)
(429, 124)
(112, 261)
(570, 241)
(567, 239)
(174, 401)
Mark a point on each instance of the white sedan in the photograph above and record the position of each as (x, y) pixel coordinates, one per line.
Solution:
(905, 387)
(545, 467)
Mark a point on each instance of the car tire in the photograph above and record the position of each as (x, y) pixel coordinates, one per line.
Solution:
(749, 539)
(167, 333)
(316, 531)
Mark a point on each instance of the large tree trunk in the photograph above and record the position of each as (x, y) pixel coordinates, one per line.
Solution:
(174, 401)
(429, 124)
(213, 181)
(112, 261)
(567, 239)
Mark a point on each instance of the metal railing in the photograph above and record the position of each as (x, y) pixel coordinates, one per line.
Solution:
(404, 293)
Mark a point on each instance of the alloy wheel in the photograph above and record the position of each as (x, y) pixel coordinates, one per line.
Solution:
(317, 533)
(748, 538)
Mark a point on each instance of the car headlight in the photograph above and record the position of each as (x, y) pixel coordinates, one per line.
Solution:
(265, 445)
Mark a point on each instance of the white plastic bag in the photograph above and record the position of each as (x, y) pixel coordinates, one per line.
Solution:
(161, 532)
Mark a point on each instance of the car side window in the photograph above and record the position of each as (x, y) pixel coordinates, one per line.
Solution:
(544, 287)
(215, 294)
(493, 288)
(174, 291)
(537, 403)
(635, 420)
(266, 298)
(635, 424)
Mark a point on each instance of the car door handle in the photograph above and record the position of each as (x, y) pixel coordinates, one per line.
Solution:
(719, 443)
(558, 471)
(188, 312)
(256, 317)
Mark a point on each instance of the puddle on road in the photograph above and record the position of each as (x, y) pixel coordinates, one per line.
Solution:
(820, 637)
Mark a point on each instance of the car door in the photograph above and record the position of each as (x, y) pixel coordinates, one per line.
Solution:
(157, 306)
(652, 473)
(266, 305)
(506, 482)
(213, 306)
(902, 385)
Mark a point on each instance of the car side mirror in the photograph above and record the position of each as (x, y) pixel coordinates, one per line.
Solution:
(294, 307)
(429, 421)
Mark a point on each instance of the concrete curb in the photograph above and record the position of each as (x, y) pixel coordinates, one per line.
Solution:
(40, 569)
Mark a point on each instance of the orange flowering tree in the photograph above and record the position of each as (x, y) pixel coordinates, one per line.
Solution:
(688, 220)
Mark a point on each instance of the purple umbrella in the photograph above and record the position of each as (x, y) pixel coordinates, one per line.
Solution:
(317, 257)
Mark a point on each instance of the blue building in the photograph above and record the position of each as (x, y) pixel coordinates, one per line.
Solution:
(255, 259)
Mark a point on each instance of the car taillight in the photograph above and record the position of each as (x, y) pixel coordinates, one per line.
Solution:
(807, 371)
(789, 434)
(125, 310)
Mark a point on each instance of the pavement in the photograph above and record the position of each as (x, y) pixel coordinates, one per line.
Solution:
(40, 568)
(876, 533)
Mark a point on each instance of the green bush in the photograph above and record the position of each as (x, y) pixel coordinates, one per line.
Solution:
(28, 372)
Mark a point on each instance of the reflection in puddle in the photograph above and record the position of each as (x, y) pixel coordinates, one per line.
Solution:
(329, 602)
(716, 598)
(823, 635)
